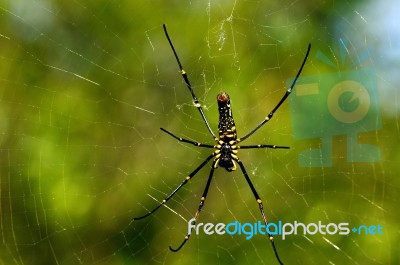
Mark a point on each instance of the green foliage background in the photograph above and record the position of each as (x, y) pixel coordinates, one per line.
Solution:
(85, 86)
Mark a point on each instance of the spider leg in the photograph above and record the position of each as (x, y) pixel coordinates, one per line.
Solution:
(260, 205)
(202, 200)
(262, 146)
(267, 118)
(187, 178)
(186, 79)
(187, 141)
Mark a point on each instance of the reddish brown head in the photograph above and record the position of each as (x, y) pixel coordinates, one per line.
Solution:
(223, 99)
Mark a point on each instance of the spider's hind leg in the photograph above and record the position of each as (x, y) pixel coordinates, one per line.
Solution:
(201, 204)
(261, 207)
(186, 180)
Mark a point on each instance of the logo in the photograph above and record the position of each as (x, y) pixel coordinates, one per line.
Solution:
(249, 230)
(345, 102)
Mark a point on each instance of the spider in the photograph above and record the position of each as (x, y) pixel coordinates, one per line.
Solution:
(226, 146)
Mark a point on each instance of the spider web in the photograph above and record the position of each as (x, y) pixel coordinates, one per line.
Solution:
(86, 86)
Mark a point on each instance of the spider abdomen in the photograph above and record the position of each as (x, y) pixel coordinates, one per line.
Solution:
(226, 125)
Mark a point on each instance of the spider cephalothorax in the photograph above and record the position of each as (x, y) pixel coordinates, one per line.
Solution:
(225, 148)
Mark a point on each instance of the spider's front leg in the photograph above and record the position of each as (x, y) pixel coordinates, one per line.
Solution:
(186, 79)
(287, 93)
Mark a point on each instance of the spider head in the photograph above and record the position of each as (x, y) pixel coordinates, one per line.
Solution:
(223, 99)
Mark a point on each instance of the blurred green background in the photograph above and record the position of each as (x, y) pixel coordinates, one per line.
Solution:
(85, 86)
